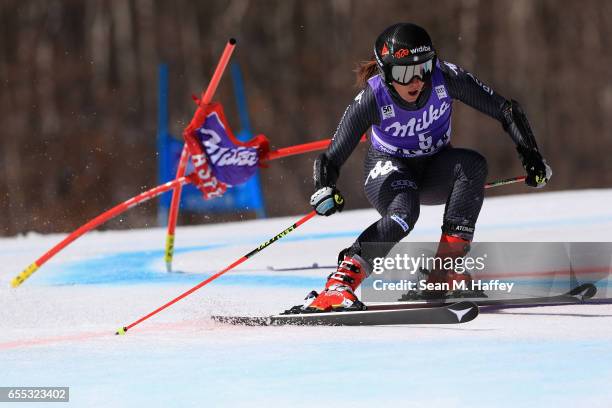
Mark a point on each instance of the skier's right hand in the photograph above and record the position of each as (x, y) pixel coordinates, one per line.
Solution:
(327, 200)
(538, 171)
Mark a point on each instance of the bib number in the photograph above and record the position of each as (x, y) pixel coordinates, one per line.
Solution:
(425, 141)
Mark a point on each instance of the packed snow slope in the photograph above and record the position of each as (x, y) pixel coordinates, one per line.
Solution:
(57, 329)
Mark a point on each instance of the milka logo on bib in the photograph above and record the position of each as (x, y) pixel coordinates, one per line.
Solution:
(414, 126)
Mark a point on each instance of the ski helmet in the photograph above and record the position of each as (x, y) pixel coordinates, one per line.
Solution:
(404, 51)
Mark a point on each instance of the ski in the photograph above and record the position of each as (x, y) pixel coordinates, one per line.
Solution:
(580, 294)
(460, 312)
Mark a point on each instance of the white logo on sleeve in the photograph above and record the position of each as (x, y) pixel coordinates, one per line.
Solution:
(441, 92)
(486, 88)
(358, 97)
(452, 67)
(387, 111)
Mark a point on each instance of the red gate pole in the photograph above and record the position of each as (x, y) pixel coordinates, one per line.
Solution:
(107, 215)
(180, 172)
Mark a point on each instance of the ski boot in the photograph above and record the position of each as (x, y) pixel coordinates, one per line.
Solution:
(447, 282)
(339, 292)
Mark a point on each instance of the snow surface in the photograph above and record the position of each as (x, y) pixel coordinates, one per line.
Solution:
(57, 329)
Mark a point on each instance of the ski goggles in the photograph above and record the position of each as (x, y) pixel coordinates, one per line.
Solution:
(403, 74)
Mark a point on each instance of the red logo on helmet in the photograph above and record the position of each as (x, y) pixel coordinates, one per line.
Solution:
(402, 53)
(385, 50)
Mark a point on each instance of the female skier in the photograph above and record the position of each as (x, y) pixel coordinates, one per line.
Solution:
(407, 101)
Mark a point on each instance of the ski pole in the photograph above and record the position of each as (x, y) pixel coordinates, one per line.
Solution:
(504, 182)
(255, 251)
(180, 171)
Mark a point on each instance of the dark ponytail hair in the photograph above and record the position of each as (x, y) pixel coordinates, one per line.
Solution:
(364, 71)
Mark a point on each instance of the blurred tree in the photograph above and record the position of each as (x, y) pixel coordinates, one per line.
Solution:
(78, 90)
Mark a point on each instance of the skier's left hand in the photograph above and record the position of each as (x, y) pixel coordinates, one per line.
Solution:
(538, 171)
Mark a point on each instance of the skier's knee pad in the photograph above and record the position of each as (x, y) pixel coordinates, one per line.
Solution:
(475, 166)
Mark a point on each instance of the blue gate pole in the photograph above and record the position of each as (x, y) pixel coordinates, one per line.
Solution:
(163, 133)
(252, 187)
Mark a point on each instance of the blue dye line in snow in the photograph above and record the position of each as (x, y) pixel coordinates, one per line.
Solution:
(133, 267)
(140, 267)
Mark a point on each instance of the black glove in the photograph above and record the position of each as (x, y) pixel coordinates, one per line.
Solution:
(327, 200)
(538, 171)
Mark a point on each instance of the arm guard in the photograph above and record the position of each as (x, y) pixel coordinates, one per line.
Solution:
(516, 124)
(325, 173)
